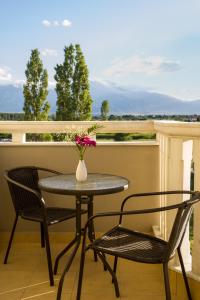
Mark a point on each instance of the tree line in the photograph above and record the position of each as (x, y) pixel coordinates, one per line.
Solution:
(74, 101)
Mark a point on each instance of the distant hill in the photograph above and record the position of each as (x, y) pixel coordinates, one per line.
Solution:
(127, 101)
(121, 100)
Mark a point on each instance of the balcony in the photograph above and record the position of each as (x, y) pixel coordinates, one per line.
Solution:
(163, 164)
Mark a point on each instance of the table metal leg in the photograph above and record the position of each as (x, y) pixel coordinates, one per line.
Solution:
(71, 258)
(91, 232)
(77, 241)
(76, 238)
(63, 252)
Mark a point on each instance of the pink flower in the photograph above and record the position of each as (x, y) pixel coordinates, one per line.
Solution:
(84, 141)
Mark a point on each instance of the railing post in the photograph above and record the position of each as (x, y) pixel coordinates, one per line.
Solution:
(163, 171)
(175, 166)
(18, 137)
(187, 161)
(196, 244)
(174, 176)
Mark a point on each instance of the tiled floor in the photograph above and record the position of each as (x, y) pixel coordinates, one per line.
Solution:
(26, 277)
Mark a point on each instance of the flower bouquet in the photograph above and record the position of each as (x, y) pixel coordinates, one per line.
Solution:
(83, 139)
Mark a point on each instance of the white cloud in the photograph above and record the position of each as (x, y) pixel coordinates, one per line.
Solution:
(46, 23)
(5, 75)
(55, 23)
(66, 23)
(49, 52)
(136, 64)
(7, 78)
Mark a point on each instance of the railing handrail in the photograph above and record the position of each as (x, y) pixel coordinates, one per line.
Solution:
(62, 126)
(18, 129)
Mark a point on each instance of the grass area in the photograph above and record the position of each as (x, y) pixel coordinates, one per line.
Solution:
(112, 137)
(123, 137)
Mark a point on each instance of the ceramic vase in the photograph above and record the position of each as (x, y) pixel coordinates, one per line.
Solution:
(81, 171)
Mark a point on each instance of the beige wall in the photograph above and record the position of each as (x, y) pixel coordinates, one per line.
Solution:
(139, 163)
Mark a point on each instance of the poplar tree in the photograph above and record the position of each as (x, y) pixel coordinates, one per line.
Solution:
(35, 90)
(105, 109)
(72, 86)
(82, 101)
(64, 77)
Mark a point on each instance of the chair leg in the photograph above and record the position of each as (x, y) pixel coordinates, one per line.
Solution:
(166, 279)
(11, 239)
(48, 251)
(104, 266)
(42, 235)
(91, 233)
(184, 274)
(114, 277)
(80, 278)
(115, 266)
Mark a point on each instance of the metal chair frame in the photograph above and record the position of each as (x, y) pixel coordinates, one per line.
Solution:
(16, 188)
(184, 210)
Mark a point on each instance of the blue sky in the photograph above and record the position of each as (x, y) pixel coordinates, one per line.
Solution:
(143, 44)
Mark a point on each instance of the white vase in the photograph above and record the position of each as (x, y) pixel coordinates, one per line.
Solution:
(81, 171)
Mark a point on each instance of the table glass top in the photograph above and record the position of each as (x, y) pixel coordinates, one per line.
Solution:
(94, 185)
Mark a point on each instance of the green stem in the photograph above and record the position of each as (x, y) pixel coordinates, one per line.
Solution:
(81, 151)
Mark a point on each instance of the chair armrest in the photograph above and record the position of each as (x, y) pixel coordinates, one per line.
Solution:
(196, 195)
(48, 170)
(134, 212)
(174, 192)
(137, 195)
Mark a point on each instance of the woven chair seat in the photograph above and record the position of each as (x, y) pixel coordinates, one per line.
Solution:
(131, 245)
(54, 214)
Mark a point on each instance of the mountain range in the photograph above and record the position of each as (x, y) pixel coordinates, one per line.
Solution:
(121, 100)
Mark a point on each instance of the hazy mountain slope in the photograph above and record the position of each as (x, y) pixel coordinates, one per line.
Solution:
(122, 101)
(11, 98)
(139, 101)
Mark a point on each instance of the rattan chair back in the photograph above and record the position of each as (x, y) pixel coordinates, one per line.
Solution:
(23, 199)
(182, 218)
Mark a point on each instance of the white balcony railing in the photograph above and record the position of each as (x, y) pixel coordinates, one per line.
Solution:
(179, 145)
(18, 129)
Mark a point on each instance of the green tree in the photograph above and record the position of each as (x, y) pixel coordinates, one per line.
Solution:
(105, 109)
(35, 90)
(64, 77)
(72, 86)
(82, 101)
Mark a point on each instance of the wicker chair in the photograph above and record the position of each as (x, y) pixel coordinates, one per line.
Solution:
(122, 242)
(29, 204)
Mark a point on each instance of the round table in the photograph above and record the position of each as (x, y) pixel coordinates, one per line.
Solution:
(96, 184)
(66, 184)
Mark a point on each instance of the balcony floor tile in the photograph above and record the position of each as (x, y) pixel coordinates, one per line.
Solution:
(25, 277)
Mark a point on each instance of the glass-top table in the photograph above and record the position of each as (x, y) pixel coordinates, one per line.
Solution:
(96, 184)
(84, 192)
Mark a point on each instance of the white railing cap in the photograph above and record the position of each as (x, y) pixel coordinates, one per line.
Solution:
(63, 126)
